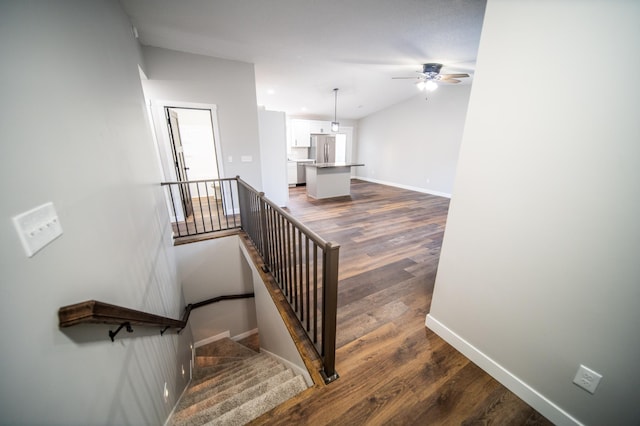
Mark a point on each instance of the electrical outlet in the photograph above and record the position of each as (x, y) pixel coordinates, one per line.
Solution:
(587, 379)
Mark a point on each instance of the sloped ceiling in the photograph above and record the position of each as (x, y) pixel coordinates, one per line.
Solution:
(303, 49)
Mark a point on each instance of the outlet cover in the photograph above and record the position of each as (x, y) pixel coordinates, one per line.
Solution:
(37, 228)
(587, 379)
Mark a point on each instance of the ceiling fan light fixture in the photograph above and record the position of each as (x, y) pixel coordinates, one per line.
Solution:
(420, 85)
(430, 85)
(335, 126)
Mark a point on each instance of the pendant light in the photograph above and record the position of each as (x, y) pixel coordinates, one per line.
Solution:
(334, 124)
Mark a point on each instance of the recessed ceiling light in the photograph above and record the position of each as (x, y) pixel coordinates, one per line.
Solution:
(303, 109)
(271, 92)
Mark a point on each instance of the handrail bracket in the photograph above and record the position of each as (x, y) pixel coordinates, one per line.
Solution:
(112, 334)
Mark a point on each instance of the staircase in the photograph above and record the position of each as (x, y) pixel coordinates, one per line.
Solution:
(233, 385)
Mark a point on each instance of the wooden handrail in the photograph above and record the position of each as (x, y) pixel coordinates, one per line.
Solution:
(95, 312)
(219, 299)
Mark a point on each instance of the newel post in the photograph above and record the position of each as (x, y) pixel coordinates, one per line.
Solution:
(329, 310)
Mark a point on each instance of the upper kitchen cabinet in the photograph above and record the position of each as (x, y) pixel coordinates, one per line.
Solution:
(301, 133)
(320, 127)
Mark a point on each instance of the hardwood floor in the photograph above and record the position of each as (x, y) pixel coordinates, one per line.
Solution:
(208, 215)
(393, 370)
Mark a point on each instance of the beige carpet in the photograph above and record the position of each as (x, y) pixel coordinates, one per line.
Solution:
(233, 385)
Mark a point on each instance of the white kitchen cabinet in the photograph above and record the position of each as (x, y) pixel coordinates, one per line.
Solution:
(319, 127)
(301, 133)
(292, 172)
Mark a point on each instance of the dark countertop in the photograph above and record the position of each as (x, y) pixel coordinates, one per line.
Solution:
(330, 165)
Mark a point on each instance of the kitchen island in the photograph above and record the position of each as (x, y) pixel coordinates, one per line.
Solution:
(326, 180)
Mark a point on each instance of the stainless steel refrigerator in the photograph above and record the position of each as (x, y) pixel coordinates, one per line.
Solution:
(323, 148)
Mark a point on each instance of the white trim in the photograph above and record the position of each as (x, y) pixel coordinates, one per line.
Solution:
(213, 108)
(163, 143)
(244, 335)
(212, 339)
(532, 397)
(409, 187)
(157, 108)
(297, 370)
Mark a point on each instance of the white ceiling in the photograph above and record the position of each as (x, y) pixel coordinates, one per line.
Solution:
(303, 49)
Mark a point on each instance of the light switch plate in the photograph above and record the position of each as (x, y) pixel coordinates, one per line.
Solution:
(37, 228)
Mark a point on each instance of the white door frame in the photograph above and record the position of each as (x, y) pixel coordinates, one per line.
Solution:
(161, 130)
(162, 133)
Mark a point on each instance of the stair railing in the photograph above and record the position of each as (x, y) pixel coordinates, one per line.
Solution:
(95, 312)
(202, 206)
(304, 265)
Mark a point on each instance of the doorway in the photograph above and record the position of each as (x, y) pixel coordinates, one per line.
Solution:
(189, 149)
(193, 143)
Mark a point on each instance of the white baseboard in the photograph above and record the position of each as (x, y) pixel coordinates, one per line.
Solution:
(301, 371)
(409, 187)
(245, 334)
(532, 397)
(212, 339)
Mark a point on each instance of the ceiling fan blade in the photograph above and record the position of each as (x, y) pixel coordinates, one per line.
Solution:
(448, 76)
(451, 80)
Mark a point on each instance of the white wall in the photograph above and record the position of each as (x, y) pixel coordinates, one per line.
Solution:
(223, 266)
(230, 85)
(414, 144)
(74, 132)
(275, 338)
(539, 269)
(273, 146)
(213, 268)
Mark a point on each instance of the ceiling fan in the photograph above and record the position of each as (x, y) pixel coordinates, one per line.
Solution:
(430, 77)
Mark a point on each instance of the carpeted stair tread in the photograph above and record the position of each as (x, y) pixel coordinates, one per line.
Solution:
(212, 393)
(225, 348)
(255, 407)
(216, 361)
(206, 374)
(233, 385)
(238, 399)
(230, 373)
(201, 372)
